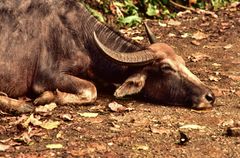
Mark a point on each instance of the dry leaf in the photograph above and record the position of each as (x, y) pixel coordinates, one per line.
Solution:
(216, 65)
(171, 35)
(162, 24)
(88, 114)
(4, 147)
(50, 124)
(237, 93)
(138, 38)
(67, 117)
(32, 120)
(214, 78)
(199, 35)
(116, 107)
(235, 78)
(195, 42)
(185, 35)
(192, 126)
(46, 108)
(228, 46)
(160, 130)
(142, 147)
(198, 56)
(54, 146)
(174, 22)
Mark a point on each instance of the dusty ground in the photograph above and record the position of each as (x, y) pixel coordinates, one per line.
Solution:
(150, 130)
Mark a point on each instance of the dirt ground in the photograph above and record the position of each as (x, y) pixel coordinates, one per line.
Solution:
(211, 48)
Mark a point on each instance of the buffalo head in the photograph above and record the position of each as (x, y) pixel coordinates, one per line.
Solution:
(161, 76)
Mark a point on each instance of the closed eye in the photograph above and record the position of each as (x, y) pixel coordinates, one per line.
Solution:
(167, 68)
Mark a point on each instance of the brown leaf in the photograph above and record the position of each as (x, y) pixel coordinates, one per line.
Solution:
(174, 22)
(88, 114)
(54, 146)
(46, 108)
(114, 106)
(160, 130)
(214, 78)
(194, 42)
(198, 56)
(235, 78)
(199, 35)
(50, 124)
(4, 147)
(237, 93)
(228, 46)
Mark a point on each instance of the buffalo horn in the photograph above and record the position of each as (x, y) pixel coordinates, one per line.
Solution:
(138, 58)
(152, 38)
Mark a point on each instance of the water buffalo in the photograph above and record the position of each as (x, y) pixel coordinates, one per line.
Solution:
(55, 49)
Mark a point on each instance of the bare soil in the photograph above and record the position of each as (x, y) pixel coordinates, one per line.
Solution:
(150, 130)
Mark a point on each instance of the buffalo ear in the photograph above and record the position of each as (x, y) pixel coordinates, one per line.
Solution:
(132, 85)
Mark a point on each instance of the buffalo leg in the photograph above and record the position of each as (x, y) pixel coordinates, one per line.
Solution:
(69, 90)
(15, 106)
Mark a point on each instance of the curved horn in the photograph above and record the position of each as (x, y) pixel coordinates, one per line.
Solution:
(138, 58)
(152, 38)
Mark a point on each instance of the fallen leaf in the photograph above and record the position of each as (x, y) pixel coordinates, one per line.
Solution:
(54, 146)
(46, 108)
(34, 121)
(162, 24)
(182, 13)
(160, 130)
(217, 92)
(235, 78)
(185, 35)
(4, 147)
(174, 22)
(228, 123)
(192, 126)
(199, 35)
(50, 124)
(60, 134)
(88, 114)
(237, 93)
(228, 46)
(216, 64)
(214, 78)
(198, 56)
(67, 117)
(142, 147)
(171, 35)
(114, 106)
(211, 46)
(138, 38)
(195, 42)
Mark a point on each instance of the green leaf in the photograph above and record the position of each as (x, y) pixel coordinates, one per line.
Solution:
(152, 10)
(96, 13)
(130, 20)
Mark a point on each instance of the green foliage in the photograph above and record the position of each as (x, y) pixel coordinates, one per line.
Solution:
(131, 12)
(221, 3)
(96, 13)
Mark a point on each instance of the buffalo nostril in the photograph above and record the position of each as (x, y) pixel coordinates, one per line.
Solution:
(210, 97)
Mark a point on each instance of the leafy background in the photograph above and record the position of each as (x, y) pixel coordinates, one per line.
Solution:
(132, 12)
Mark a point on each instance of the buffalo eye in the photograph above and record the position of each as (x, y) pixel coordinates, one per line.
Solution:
(166, 68)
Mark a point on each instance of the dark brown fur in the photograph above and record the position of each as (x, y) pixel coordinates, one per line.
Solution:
(48, 46)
